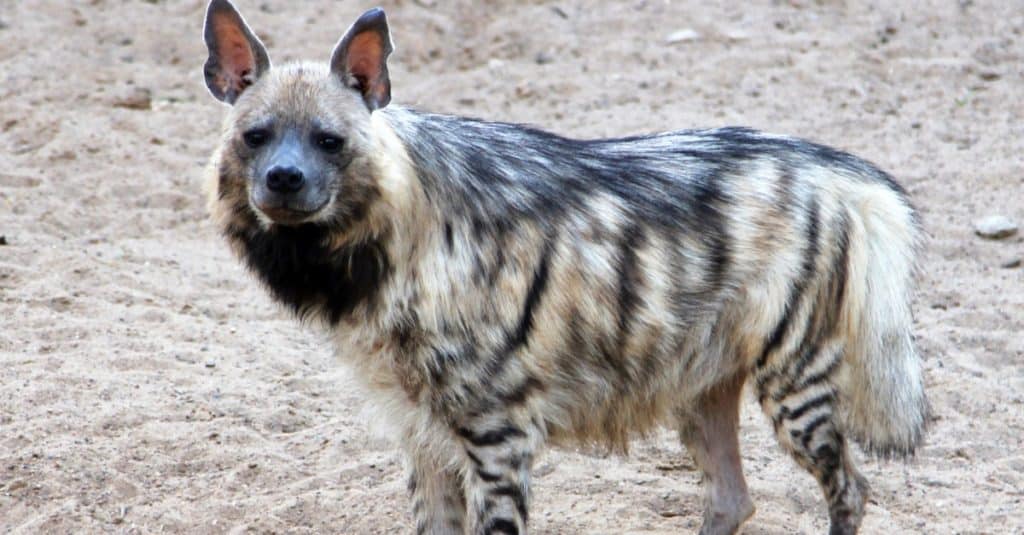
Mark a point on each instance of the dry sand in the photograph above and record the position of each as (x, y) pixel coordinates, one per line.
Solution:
(148, 385)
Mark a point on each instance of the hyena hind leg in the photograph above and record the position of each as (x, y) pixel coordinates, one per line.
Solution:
(709, 431)
(438, 498)
(803, 413)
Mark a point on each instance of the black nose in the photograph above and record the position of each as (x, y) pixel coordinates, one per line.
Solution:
(285, 179)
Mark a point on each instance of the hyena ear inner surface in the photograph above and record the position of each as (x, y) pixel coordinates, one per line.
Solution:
(360, 58)
(237, 57)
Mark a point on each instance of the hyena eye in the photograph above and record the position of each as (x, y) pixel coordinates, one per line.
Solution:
(328, 143)
(256, 138)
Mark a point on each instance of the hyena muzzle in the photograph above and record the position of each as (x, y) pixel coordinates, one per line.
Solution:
(498, 288)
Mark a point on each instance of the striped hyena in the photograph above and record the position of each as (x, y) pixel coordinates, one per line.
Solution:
(498, 288)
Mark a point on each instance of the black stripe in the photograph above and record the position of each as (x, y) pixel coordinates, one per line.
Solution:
(540, 281)
(448, 239)
(501, 525)
(826, 452)
(516, 494)
(821, 376)
(518, 394)
(480, 471)
(808, 432)
(761, 383)
(792, 302)
(492, 437)
(806, 357)
(487, 476)
(439, 365)
(840, 267)
(805, 360)
(630, 280)
(708, 202)
(499, 264)
(810, 404)
(520, 335)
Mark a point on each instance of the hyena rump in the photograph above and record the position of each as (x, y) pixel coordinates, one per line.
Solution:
(498, 288)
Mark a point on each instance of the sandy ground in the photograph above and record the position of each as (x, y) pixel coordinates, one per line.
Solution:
(148, 385)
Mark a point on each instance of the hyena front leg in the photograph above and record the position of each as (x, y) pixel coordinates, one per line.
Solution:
(708, 430)
(438, 498)
(500, 452)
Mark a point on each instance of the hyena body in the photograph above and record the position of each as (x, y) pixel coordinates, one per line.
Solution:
(498, 288)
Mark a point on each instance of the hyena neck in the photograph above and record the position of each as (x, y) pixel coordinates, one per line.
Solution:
(303, 270)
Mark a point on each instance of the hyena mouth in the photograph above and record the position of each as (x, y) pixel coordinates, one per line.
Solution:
(289, 215)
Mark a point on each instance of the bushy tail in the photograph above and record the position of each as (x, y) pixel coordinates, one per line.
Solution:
(882, 399)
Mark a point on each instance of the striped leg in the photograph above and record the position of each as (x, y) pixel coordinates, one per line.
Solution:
(709, 432)
(500, 453)
(801, 405)
(438, 502)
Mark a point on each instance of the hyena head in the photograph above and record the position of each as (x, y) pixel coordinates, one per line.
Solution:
(298, 142)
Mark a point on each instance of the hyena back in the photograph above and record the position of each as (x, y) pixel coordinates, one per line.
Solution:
(498, 288)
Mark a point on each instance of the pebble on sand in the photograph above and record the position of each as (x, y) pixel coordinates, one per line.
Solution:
(995, 227)
(134, 98)
(682, 36)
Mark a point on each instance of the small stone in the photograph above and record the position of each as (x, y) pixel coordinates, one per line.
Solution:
(995, 227)
(543, 58)
(3, 240)
(211, 364)
(1011, 263)
(736, 35)
(682, 36)
(135, 98)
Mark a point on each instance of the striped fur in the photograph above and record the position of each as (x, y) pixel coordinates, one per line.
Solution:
(497, 289)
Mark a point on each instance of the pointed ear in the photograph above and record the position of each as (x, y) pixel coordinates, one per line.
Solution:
(237, 57)
(360, 58)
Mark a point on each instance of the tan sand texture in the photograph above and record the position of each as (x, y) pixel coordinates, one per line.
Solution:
(148, 385)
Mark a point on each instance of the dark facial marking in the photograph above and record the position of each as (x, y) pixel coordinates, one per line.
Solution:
(328, 143)
(257, 137)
